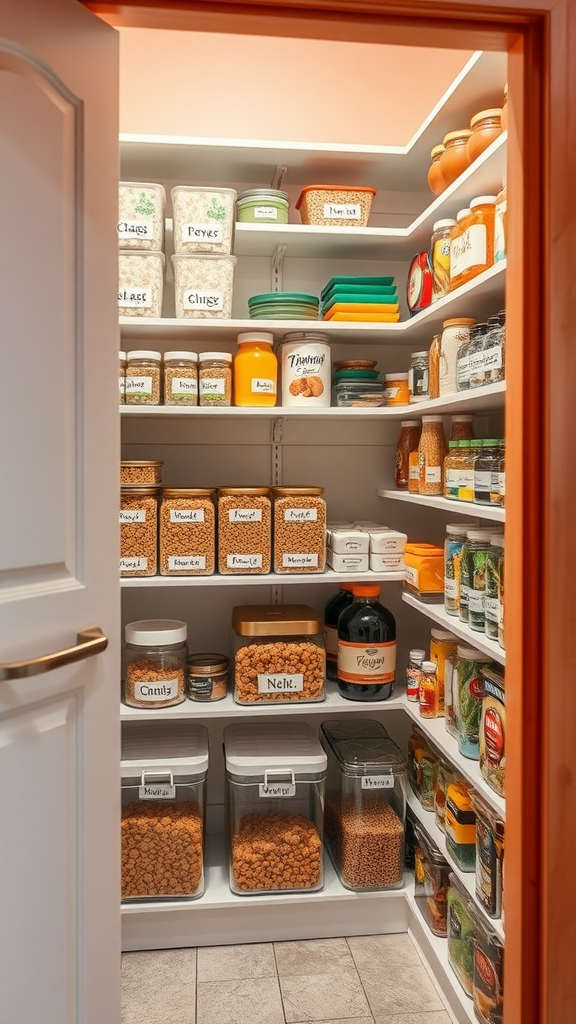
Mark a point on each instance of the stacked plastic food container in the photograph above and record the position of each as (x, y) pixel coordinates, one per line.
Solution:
(141, 259)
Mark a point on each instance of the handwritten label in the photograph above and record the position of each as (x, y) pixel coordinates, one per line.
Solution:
(342, 211)
(213, 386)
(244, 561)
(202, 299)
(299, 561)
(493, 358)
(142, 227)
(263, 386)
(184, 386)
(280, 683)
(377, 782)
(133, 564)
(139, 386)
(133, 515)
(202, 233)
(450, 588)
(149, 693)
(158, 791)
(411, 575)
(281, 789)
(265, 213)
(300, 515)
(469, 250)
(186, 515)
(245, 515)
(133, 298)
(180, 562)
(433, 474)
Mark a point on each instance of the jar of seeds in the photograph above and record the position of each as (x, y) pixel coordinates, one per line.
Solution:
(138, 531)
(299, 529)
(155, 656)
(187, 532)
(180, 378)
(244, 530)
(215, 378)
(122, 376)
(143, 375)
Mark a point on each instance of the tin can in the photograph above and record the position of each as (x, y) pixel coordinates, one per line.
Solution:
(305, 368)
(207, 677)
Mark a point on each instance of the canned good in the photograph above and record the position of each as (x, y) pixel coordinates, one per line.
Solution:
(305, 367)
(207, 677)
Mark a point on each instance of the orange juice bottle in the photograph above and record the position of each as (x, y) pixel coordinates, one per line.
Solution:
(255, 370)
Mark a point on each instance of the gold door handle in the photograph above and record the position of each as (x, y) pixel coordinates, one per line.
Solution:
(90, 641)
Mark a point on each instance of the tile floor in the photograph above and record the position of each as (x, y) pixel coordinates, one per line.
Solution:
(372, 979)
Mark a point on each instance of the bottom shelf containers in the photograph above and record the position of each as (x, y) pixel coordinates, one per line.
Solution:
(462, 919)
(365, 804)
(275, 784)
(431, 877)
(163, 773)
(476, 954)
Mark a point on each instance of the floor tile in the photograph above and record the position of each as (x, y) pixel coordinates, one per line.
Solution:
(236, 963)
(159, 987)
(399, 992)
(252, 1001)
(414, 1018)
(313, 956)
(385, 950)
(319, 997)
(348, 1020)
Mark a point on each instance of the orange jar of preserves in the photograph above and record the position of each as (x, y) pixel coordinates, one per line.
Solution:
(486, 126)
(455, 233)
(255, 370)
(454, 160)
(472, 251)
(435, 176)
(431, 455)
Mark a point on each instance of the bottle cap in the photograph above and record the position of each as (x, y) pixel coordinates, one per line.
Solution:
(443, 224)
(429, 666)
(346, 586)
(365, 590)
(417, 654)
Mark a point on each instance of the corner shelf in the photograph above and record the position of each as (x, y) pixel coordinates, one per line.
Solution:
(437, 613)
(457, 508)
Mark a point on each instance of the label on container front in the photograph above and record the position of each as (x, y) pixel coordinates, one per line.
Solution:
(362, 663)
(300, 515)
(133, 564)
(277, 789)
(122, 384)
(244, 561)
(140, 227)
(342, 211)
(184, 386)
(450, 588)
(502, 484)
(455, 478)
(377, 782)
(157, 791)
(177, 563)
(433, 474)
(476, 601)
(139, 386)
(215, 386)
(133, 515)
(469, 250)
(491, 608)
(414, 472)
(245, 515)
(476, 362)
(482, 481)
(151, 693)
(198, 298)
(499, 233)
(265, 213)
(202, 233)
(411, 575)
(463, 371)
(134, 298)
(262, 386)
(493, 358)
(278, 682)
(331, 643)
(186, 515)
(304, 561)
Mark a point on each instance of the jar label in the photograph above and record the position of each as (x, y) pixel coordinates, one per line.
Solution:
(414, 472)
(140, 227)
(493, 358)
(476, 361)
(412, 683)
(133, 564)
(412, 575)
(177, 563)
(331, 643)
(184, 386)
(262, 386)
(151, 693)
(197, 298)
(122, 384)
(456, 478)
(362, 663)
(491, 609)
(186, 515)
(342, 211)
(502, 484)
(202, 233)
(469, 250)
(482, 480)
(244, 561)
(215, 386)
(476, 601)
(245, 515)
(157, 791)
(463, 370)
(278, 789)
(135, 298)
(450, 588)
(433, 474)
(265, 213)
(280, 682)
(139, 386)
(133, 515)
(392, 392)
(300, 515)
(377, 782)
(499, 234)
(304, 561)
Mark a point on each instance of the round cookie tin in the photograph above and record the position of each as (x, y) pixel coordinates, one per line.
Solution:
(305, 369)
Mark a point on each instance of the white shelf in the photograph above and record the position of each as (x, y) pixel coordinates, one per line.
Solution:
(468, 878)
(264, 580)
(434, 949)
(452, 623)
(460, 508)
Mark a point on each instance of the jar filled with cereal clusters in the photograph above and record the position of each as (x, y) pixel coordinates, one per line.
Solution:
(244, 530)
(299, 529)
(180, 378)
(163, 780)
(187, 532)
(143, 376)
(155, 654)
(138, 531)
(275, 775)
(279, 654)
(215, 378)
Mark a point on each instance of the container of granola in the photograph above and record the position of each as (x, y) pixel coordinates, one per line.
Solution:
(141, 215)
(203, 286)
(279, 654)
(155, 655)
(299, 529)
(140, 283)
(203, 218)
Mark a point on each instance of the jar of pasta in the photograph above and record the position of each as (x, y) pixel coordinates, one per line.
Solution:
(299, 529)
(180, 378)
(244, 530)
(187, 532)
(138, 531)
(440, 249)
(215, 378)
(143, 376)
(431, 454)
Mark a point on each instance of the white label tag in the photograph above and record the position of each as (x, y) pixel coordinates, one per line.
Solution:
(476, 361)
(299, 561)
(301, 515)
(158, 791)
(184, 386)
(244, 561)
(377, 782)
(280, 683)
(265, 213)
(262, 386)
(215, 386)
(493, 358)
(133, 564)
(433, 474)
(133, 515)
(470, 250)
(203, 299)
(491, 609)
(139, 386)
(281, 789)
(482, 481)
(502, 484)
(202, 233)
(153, 692)
(142, 227)
(414, 473)
(450, 588)
(186, 515)
(342, 211)
(455, 478)
(463, 370)
(476, 601)
(245, 515)
(180, 562)
(133, 298)
(122, 383)
(411, 575)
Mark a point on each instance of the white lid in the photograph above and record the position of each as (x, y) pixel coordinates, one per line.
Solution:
(471, 654)
(417, 654)
(155, 632)
(122, 355)
(193, 356)
(432, 419)
(252, 748)
(443, 634)
(409, 423)
(216, 355)
(248, 336)
(415, 355)
(462, 419)
(463, 213)
(143, 353)
(448, 223)
(204, 188)
(429, 666)
(178, 747)
(497, 540)
(480, 534)
(395, 376)
(457, 529)
(481, 201)
(145, 184)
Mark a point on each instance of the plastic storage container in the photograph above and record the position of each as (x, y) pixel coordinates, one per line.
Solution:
(488, 974)
(203, 286)
(244, 530)
(207, 677)
(275, 784)
(203, 219)
(279, 654)
(431, 879)
(163, 776)
(305, 367)
(187, 532)
(140, 472)
(263, 206)
(424, 572)
(180, 378)
(462, 918)
(122, 363)
(299, 529)
(141, 215)
(255, 370)
(469, 691)
(336, 205)
(138, 531)
(489, 850)
(155, 656)
(140, 283)
(215, 379)
(365, 804)
(143, 377)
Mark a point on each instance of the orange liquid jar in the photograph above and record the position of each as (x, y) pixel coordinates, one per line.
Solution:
(455, 233)
(454, 160)
(435, 176)
(473, 251)
(255, 370)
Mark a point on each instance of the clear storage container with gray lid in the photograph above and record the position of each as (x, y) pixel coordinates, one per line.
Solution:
(163, 777)
(275, 782)
(365, 804)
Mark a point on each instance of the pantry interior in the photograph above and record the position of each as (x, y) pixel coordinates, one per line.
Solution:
(349, 452)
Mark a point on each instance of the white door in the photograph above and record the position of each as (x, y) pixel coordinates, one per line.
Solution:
(59, 450)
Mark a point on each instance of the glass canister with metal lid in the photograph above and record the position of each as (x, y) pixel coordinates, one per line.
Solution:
(279, 654)
(263, 206)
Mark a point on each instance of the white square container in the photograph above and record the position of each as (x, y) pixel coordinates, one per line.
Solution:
(140, 283)
(203, 286)
(347, 563)
(383, 540)
(344, 541)
(388, 561)
(203, 219)
(141, 215)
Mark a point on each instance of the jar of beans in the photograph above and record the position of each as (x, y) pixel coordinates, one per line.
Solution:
(138, 531)
(244, 530)
(180, 378)
(215, 378)
(299, 529)
(187, 532)
(143, 375)
(155, 655)
(431, 454)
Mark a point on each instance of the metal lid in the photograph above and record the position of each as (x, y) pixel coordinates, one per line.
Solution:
(316, 337)
(263, 193)
(252, 491)
(139, 491)
(275, 620)
(255, 748)
(142, 353)
(162, 747)
(142, 462)
(482, 201)
(409, 423)
(471, 654)
(200, 664)
(457, 529)
(224, 356)
(444, 634)
(122, 356)
(192, 356)
(283, 492)
(431, 851)
(187, 492)
(395, 376)
(156, 632)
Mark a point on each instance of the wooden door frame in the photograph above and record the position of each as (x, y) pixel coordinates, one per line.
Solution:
(541, 366)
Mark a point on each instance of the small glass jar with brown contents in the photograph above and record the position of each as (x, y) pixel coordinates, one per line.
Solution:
(187, 532)
(408, 441)
(138, 531)
(431, 454)
(215, 378)
(143, 376)
(299, 529)
(155, 663)
(180, 378)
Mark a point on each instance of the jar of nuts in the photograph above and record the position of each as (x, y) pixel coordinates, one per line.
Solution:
(365, 804)
(431, 455)
(187, 532)
(138, 531)
(180, 378)
(275, 774)
(155, 655)
(145, 472)
(299, 529)
(163, 780)
(143, 375)
(279, 654)
(215, 378)
(244, 530)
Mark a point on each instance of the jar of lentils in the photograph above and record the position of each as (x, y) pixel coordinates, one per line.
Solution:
(244, 530)
(138, 531)
(180, 378)
(155, 655)
(431, 454)
(215, 378)
(299, 529)
(143, 376)
(187, 532)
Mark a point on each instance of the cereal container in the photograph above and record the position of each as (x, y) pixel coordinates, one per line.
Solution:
(336, 205)
(187, 532)
(299, 529)
(141, 215)
(365, 804)
(305, 369)
(275, 784)
(138, 531)
(140, 283)
(143, 377)
(145, 472)
(163, 777)
(279, 654)
(203, 286)
(431, 873)
(203, 219)
(155, 663)
(244, 530)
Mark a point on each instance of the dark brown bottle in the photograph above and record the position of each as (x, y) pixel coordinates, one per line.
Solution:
(366, 647)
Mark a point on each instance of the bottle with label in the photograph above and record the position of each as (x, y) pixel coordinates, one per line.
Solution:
(455, 235)
(413, 669)
(408, 441)
(491, 606)
(255, 370)
(486, 467)
(440, 257)
(477, 543)
(455, 539)
(500, 225)
(418, 377)
(473, 252)
(332, 611)
(431, 693)
(456, 334)
(143, 375)
(366, 647)
(431, 453)
(453, 464)
(495, 349)
(476, 355)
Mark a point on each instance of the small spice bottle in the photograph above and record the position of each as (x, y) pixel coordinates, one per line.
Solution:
(143, 376)
(462, 428)
(418, 377)
(123, 362)
(215, 378)
(413, 668)
(155, 663)
(430, 698)
(476, 355)
(180, 378)
(434, 367)
(408, 441)
(207, 677)
(431, 452)
(440, 257)
(491, 607)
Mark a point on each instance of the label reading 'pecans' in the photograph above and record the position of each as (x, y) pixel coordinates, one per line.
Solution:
(134, 298)
(265, 213)
(133, 515)
(342, 211)
(143, 227)
(245, 515)
(201, 299)
(277, 789)
(153, 692)
(138, 386)
(157, 791)
(186, 515)
(262, 386)
(280, 683)
(304, 561)
(377, 782)
(300, 515)
(244, 561)
(202, 233)
(184, 386)
(181, 562)
(133, 564)
(215, 386)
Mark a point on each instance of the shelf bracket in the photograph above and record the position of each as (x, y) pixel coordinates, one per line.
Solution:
(279, 175)
(277, 269)
(276, 443)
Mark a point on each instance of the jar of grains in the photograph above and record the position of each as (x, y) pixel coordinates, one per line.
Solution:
(123, 362)
(143, 376)
(207, 676)
(453, 469)
(431, 453)
(244, 530)
(440, 253)
(434, 367)
(138, 531)
(418, 377)
(141, 471)
(215, 378)
(299, 529)
(155, 656)
(187, 532)
(462, 428)
(408, 441)
(279, 654)
(455, 333)
(180, 378)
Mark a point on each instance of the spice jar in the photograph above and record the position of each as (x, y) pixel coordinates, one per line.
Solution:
(435, 176)
(460, 826)
(418, 377)
(462, 428)
(255, 370)
(452, 470)
(299, 529)
(501, 225)
(493, 730)
(262, 206)
(138, 531)
(143, 375)
(476, 355)
(473, 576)
(434, 367)
(431, 452)
(431, 872)
(397, 389)
(455, 538)
(207, 677)
(244, 530)
(408, 441)
(123, 362)
(454, 160)
(486, 469)
(215, 378)
(440, 258)
(430, 693)
(413, 669)
(187, 532)
(473, 252)
(455, 235)
(180, 378)
(456, 332)
(155, 654)
(486, 126)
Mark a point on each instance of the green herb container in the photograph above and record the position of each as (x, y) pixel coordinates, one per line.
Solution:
(263, 206)
(469, 693)
(462, 920)
(203, 219)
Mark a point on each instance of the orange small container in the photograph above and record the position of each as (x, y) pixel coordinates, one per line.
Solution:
(473, 251)
(455, 235)
(424, 571)
(454, 160)
(255, 370)
(336, 205)
(435, 176)
(486, 126)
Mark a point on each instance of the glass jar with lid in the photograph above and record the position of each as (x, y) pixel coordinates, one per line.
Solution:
(418, 376)
(180, 378)
(454, 160)
(493, 558)
(207, 677)
(434, 367)
(410, 431)
(486, 469)
(452, 463)
(123, 362)
(473, 252)
(365, 804)
(495, 349)
(455, 235)
(262, 206)
(440, 258)
(431, 874)
(279, 654)
(255, 370)
(215, 378)
(138, 531)
(244, 530)
(299, 529)
(456, 332)
(455, 538)
(187, 532)
(435, 176)
(468, 450)
(476, 355)
(306, 369)
(462, 428)
(473, 574)
(155, 653)
(431, 453)
(143, 377)
(486, 126)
